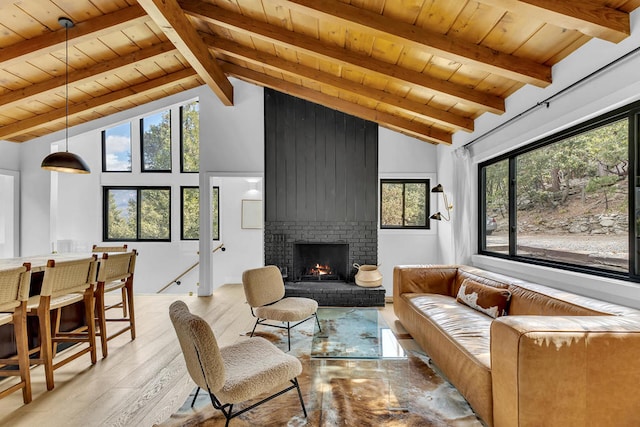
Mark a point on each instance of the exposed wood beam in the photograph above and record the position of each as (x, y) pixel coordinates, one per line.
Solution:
(82, 31)
(27, 125)
(414, 129)
(275, 63)
(168, 15)
(446, 46)
(590, 17)
(93, 72)
(311, 46)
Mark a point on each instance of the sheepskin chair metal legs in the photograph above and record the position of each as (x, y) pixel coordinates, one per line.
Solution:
(264, 322)
(236, 373)
(264, 290)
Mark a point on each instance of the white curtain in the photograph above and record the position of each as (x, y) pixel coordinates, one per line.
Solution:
(462, 215)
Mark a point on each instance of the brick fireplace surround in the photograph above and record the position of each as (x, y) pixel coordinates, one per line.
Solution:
(361, 236)
(321, 186)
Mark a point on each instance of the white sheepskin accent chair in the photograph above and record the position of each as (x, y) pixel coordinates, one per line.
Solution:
(264, 290)
(235, 373)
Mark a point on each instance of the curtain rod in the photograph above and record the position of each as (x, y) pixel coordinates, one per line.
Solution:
(547, 101)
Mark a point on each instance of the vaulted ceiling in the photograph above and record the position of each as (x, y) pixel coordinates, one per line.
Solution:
(426, 68)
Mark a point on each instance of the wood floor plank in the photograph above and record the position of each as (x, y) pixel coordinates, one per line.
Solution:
(141, 382)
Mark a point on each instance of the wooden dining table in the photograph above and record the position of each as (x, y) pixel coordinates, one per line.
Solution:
(71, 317)
(39, 262)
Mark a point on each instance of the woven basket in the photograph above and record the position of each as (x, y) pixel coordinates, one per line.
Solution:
(368, 276)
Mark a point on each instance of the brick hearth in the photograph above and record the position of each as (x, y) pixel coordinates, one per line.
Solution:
(340, 294)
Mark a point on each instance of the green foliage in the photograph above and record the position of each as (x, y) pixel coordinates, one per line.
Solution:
(215, 213)
(404, 204)
(190, 213)
(156, 142)
(497, 188)
(155, 214)
(600, 182)
(414, 203)
(545, 176)
(121, 226)
(392, 204)
(190, 137)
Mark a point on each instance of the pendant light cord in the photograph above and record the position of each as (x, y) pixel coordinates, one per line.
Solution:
(66, 85)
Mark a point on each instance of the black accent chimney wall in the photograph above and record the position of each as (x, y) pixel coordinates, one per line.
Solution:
(321, 173)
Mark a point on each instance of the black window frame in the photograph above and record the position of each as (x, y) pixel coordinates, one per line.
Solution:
(182, 189)
(138, 189)
(142, 167)
(182, 136)
(104, 150)
(632, 113)
(427, 184)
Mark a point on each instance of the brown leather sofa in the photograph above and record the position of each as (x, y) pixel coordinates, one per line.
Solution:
(554, 359)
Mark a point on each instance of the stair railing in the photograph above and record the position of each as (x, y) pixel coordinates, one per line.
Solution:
(181, 275)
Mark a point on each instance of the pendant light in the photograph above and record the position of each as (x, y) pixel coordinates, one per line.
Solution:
(64, 161)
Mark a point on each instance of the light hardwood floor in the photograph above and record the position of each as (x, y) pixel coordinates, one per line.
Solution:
(141, 382)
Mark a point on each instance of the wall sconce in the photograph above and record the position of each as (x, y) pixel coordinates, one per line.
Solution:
(448, 207)
(64, 161)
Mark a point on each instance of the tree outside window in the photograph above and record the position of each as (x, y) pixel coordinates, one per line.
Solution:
(190, 200)
(569, 203)
(404, 203)
(215, 213)
(156, 142)
(137, 213)
(189, 137)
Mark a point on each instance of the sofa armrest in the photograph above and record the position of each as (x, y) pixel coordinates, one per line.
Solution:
(420, 279)
(559, 371)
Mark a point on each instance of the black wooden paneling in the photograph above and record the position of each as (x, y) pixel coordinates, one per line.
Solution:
(320, 164)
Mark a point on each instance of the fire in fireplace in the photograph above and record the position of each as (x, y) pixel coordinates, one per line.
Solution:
(320, 270)
(320, 261)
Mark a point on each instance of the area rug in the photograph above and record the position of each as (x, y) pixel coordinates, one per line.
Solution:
(346, 392)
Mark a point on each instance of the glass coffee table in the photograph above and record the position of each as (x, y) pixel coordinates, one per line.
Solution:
(354, 333)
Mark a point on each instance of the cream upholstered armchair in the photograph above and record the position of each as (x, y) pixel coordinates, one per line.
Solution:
(235, 373)
(264, 290)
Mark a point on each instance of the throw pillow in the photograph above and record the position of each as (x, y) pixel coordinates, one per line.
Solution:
(486, 299)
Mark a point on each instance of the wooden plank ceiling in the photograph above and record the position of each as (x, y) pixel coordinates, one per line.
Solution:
(426, 68)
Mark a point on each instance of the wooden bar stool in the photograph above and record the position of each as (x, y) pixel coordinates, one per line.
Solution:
(14, 293)
(64, 283)
(99, 249)
(115, 273)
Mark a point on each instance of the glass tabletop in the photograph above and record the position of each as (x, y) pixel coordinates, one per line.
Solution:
(354, 333)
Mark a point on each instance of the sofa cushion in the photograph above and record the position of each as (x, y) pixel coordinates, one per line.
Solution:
(486, 299)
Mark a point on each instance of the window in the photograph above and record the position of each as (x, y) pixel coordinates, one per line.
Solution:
(156, 142)
(190, 200)
(404, 203)
(116, 148)
(189, 137)
(215, 213)
(137, 213)
(190, 220)
(568, 204)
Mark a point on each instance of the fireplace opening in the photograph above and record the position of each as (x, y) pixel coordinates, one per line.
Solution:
(320, 261)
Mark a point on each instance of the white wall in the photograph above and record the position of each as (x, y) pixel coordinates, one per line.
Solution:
(400, 156)
(244, 246)
(64, 212)
(231, 146)
(616, 87)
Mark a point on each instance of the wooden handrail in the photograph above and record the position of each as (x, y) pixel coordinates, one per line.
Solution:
(177, 279)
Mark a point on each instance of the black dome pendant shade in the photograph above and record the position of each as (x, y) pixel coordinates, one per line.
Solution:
(64, 161)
